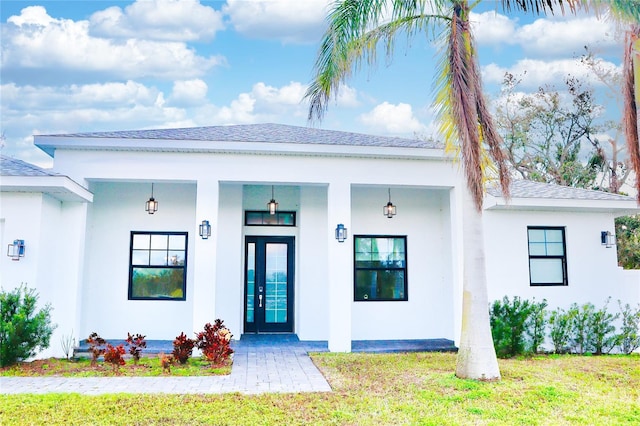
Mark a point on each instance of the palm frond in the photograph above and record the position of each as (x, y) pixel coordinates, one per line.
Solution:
(356, 30)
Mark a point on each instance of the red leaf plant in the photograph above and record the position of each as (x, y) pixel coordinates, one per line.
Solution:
(182, 348)
(136, 344)
(113, 355)
(214, 342)
(96, 347)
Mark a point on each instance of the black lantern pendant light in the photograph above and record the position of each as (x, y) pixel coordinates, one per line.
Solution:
(151, 206)
(272, 205)
(389, 210)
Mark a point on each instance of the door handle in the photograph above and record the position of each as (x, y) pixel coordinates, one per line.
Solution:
(259, 301)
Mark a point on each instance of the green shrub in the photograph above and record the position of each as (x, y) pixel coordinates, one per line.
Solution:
(536, 325)
(629, 337)
(508, 324)
(24, 331)
(602, 337)
(560, 323)
(581, 335)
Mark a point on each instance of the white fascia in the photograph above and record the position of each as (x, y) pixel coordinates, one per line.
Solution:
(50, 143)
(59, 187)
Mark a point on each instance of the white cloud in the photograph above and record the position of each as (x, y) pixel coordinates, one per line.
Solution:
(174, 20)
(290, 21)
(392, 119)
(34, 40)
(490, 28)
(545, 37)
(565, 37)
(347, 97)
(189, 92)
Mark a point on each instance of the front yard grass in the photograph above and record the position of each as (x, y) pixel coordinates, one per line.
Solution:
(380, 389)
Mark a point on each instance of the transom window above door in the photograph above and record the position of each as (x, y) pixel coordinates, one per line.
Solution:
(380, 268)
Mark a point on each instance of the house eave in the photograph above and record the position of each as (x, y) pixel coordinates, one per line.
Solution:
(61, 188)
(616, 207)
(49, 144)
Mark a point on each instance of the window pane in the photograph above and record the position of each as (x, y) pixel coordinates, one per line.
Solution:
(276, 283)
(363, 245)
(176, 257)
(141, 241)
(555, 249)
(554, 235)
(140, 257)
(380, 285)
(251, 277)
(159, 242)
(164, 283)
(158, 257)
(177, 242)
(537, 249)
(536, 235)
(546, 271)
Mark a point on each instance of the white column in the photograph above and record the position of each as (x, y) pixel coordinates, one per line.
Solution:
(340, 256)
(455, 209)
(204, 258)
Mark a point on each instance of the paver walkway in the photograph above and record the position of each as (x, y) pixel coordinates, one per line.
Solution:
(260, 364)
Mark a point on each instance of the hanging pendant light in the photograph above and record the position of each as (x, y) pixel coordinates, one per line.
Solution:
(272, 206)
(389, 210)
(151, 206)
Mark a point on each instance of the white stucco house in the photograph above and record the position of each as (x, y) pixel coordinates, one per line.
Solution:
(107, 262)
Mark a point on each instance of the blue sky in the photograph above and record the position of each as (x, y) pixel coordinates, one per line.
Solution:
(76, 66)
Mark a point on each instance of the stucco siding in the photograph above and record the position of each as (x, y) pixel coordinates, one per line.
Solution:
(592, 271)
(118, 209)
(420, 217)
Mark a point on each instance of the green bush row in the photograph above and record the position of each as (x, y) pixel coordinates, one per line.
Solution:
(521, 326)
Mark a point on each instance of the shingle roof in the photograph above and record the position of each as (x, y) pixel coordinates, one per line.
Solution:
(271, 133)
(14, 167)
(530, 189)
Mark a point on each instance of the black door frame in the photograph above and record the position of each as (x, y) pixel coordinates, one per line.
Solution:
(259, 325)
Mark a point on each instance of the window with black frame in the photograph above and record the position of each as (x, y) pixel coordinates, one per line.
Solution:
(158, 265)
(380, 268)
(547, 256)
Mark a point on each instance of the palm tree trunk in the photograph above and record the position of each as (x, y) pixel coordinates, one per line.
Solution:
(476, 353)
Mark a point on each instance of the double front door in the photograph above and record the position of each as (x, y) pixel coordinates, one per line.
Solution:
(269, 284)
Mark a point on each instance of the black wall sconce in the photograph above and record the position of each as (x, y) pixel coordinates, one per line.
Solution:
(16, 250)
(607, 239)
(341, 233)
(204, 229)
(151, 206)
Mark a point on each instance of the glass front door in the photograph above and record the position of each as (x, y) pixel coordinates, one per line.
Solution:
(269, 284)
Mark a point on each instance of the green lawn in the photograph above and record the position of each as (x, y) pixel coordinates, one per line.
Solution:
(379, 389)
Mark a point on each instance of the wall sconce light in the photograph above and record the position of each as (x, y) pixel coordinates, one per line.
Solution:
(341, 233)
(16, 250)
(272, 205)
(205, 229)
(607, 239)
(389, 210)
(151, 206)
